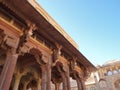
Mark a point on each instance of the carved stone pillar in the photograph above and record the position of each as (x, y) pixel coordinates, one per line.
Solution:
(83, 84)
(48, 77)
(65, 77)
(79, 84)
(64, 81)
(68, 78)
(12, 44)
(45, 65)
(78, 80)
(8, 70)
(43, 81)
(9, 44)
(76, 74)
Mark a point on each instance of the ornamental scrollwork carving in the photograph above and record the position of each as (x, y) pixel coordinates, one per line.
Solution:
(24, 37)
(7, 41)
(57, 52)
(77, 75)
(40, 58)
(73, 63)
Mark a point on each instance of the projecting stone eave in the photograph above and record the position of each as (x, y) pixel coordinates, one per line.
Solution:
(52, 22)
(86, 62)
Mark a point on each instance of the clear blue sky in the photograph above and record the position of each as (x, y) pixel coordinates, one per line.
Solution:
(93, 24)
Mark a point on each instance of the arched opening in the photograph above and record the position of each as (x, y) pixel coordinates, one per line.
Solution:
(115, 71)
(109, 73)
(27, 71)
(25, 81)
(102, 84)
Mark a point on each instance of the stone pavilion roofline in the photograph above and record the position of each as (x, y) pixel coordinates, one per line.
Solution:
(52, 22)
(30, 10)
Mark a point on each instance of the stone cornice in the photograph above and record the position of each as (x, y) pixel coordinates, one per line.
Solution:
(52, 21)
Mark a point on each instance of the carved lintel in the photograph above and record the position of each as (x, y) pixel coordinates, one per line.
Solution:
(57, 52)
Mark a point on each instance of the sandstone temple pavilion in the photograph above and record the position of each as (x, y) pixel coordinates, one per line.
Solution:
(35, 51)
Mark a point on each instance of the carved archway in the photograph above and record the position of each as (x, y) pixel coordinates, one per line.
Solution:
(27, 68)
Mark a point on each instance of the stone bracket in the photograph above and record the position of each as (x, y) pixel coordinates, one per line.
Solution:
(57, 52)
(24, 37)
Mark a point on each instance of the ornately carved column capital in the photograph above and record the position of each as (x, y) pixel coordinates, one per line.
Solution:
(8, 43)
(24, 37)
(41, 58)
